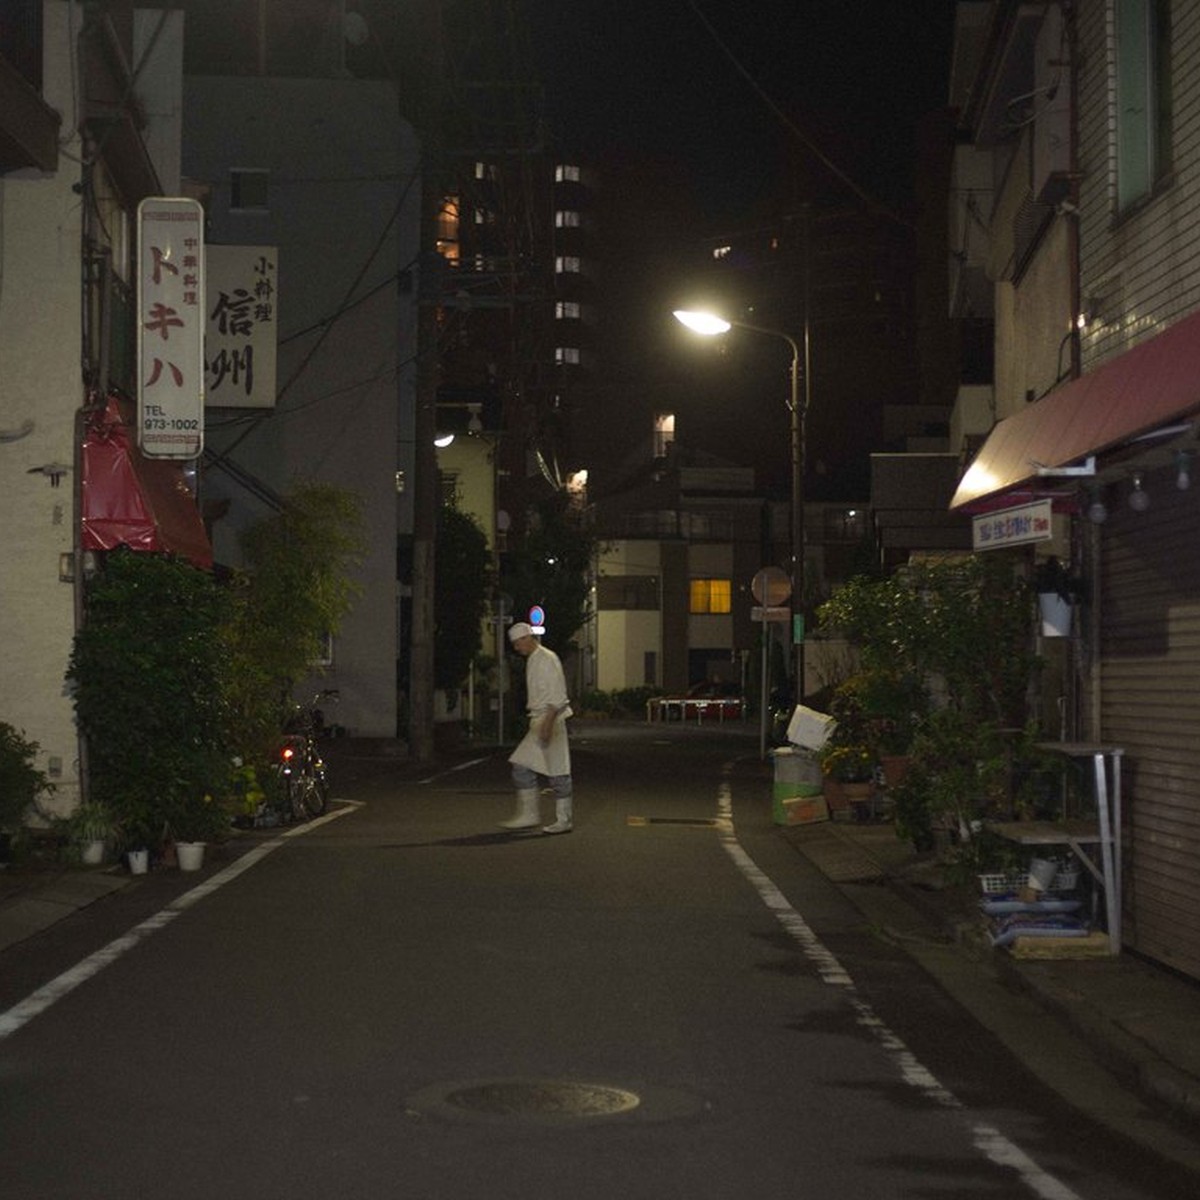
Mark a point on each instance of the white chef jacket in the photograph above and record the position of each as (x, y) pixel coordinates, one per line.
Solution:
(546, 687)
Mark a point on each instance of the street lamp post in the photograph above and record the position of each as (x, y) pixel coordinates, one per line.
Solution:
(709, 324)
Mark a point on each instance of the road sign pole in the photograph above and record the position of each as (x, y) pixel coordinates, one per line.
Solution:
(762, 707)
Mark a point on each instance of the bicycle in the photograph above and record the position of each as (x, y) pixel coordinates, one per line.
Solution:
(302, 785)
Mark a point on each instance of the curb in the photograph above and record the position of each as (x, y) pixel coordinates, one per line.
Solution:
(1135, 1064)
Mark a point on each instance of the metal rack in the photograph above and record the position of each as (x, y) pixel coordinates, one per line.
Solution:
(1104, 832)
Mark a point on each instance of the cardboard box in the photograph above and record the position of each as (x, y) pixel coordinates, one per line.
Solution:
(809, 728)
(803, 810)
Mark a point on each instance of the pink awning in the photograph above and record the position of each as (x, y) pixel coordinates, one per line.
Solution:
(1152, 385)
(131, 500)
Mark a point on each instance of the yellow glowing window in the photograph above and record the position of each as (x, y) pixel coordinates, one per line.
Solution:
(711, 596)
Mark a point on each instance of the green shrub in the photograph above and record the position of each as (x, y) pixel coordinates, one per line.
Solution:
(20, 781)
(150, 671)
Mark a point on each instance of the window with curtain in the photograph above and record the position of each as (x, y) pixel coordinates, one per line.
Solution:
(711, 596)
(1144, 107)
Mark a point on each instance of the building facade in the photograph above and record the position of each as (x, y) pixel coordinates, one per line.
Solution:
(1087, 116)
(82, 141)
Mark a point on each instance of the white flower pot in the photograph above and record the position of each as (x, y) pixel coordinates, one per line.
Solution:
(92, 852)
(139, 862)
(190, 855)
(1056, 615)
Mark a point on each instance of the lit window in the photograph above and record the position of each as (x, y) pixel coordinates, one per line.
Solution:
(566, 354)
(248, 189)
(447, 228)
(710, 596)
(664, 434)
(566, 265)
(485, 170)
(566, 219)
(566, 174)
(566, 310)
(1144, 104)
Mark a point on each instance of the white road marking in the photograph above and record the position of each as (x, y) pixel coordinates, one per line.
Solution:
(462, 766)
(37, 1002)
(990, 1141)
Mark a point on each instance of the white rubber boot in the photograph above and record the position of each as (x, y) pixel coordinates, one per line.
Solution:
(562, 816)
(527, 815)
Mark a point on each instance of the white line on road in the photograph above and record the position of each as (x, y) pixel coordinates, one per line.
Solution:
(37, 1002)
(989, 1140)
(462, 766)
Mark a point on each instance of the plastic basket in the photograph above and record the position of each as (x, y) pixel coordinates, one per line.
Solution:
(998, 882)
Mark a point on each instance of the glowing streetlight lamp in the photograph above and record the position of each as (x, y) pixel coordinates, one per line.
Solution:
(709, 324)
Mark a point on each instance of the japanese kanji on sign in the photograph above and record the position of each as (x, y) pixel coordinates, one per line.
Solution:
(170, 329)
(241, 332)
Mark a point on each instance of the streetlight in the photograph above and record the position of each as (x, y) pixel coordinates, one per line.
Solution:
(709, 324)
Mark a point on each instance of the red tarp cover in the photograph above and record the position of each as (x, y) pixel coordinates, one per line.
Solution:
(1154, 384)
(131, 500)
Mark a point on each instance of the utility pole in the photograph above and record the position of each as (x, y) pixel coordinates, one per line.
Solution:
(425, 469)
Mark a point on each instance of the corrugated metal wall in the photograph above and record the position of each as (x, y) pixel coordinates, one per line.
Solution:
(1150, 705)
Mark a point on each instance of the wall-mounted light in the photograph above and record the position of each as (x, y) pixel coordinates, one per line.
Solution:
(475, 424)
(1183, 469)
(1139, 499)
(443, 440)
(1097, 510)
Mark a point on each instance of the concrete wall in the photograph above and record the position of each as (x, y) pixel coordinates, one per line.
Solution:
(623, 637)
(343, 212)
(41, 387)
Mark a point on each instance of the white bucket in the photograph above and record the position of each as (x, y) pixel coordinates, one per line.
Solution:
(1041, 873)
(139, 862)
(190, 855)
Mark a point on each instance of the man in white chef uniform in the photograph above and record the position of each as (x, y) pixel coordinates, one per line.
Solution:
(544, 750)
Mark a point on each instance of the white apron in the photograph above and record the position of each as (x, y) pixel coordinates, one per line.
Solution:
(553, 758)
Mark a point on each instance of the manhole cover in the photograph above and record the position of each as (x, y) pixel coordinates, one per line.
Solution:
(517, 1098)
(552, 1103)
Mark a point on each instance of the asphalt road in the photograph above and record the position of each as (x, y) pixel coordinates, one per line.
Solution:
(401, 1001)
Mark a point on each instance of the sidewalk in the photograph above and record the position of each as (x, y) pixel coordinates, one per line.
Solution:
(1140, 1021)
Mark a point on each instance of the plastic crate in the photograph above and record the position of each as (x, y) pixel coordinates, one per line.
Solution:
(998, 882)
(1066, 880)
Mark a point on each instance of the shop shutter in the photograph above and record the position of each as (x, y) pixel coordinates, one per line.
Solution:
(1150, 705)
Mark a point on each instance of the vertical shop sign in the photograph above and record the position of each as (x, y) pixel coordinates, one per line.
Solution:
(241, 334)
(170, 329)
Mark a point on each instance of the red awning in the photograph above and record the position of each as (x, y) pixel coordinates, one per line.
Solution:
(1152, 385)
(131, 500)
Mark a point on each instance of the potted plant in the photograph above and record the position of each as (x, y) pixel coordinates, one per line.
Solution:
(193, 821)
(91, 827)
(884, 705)
(849, 771)
(20, 785)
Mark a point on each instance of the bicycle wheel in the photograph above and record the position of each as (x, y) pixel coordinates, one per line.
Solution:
(294, 808)
(314, 794)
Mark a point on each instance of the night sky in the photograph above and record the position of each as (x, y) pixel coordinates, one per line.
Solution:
(651, 89)
(650, 79)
